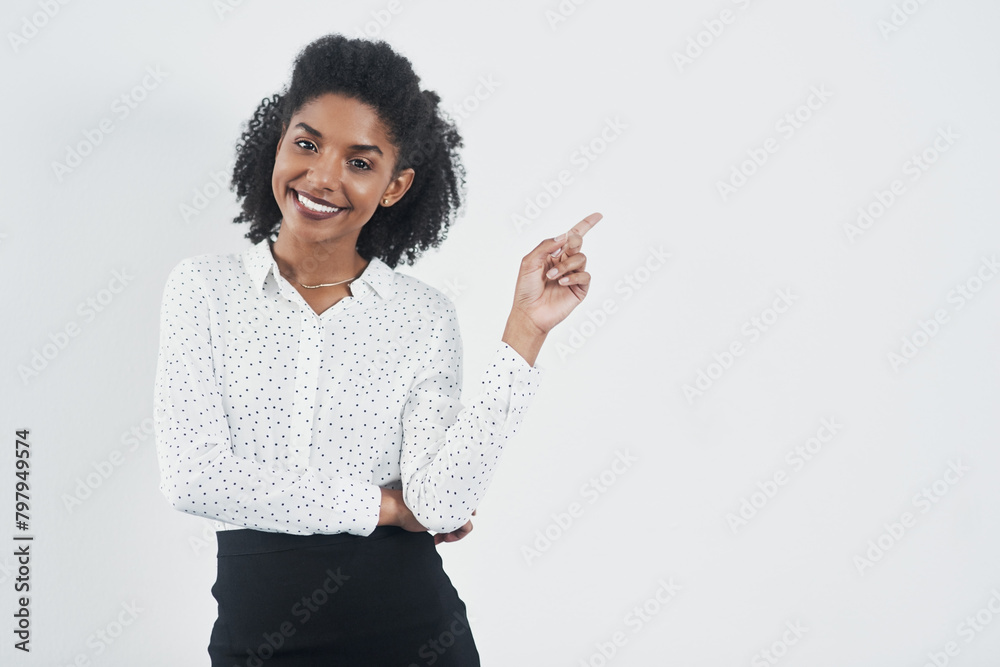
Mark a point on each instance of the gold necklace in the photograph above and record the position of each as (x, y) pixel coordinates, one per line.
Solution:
(271, 247)
(324, 284)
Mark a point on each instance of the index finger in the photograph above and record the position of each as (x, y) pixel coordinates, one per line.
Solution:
(571, 245)
(585, 225)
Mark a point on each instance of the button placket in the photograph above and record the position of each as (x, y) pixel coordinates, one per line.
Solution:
(306, 387)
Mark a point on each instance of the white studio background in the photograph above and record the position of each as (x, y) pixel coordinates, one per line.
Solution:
(827, 495)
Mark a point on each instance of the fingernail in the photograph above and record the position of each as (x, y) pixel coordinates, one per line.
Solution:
(560, 238)
(553, 272)
(556, 253)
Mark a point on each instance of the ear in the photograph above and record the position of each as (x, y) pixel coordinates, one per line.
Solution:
(397, 187)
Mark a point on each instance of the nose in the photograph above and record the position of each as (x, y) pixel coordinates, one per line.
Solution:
(326, 172)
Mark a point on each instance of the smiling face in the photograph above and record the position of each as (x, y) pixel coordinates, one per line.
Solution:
(333, 168)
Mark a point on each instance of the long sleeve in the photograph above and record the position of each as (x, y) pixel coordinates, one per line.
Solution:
(449, 452)
(200, 473)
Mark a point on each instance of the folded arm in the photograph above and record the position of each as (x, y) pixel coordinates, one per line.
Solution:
(200, 473)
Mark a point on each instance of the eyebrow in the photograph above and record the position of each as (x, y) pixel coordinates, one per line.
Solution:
(356, 147)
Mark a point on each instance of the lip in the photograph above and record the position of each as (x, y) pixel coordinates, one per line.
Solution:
(314, 215)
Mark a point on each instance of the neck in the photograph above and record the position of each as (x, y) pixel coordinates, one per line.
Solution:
(317, 263)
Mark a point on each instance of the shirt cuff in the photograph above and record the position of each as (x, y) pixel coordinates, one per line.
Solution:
(371, 506)
(510, 377)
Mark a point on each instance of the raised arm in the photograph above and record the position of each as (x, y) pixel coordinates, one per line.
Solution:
(450, 452)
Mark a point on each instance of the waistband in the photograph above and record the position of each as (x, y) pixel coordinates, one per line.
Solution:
(246, 541)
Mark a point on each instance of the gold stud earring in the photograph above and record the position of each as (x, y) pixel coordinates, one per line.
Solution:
(385, 202)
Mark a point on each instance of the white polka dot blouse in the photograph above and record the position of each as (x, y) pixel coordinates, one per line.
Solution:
(271, 417)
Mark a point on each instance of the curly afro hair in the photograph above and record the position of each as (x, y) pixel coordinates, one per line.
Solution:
(425, 139)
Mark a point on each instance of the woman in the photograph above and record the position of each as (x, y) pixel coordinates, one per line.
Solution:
(308, 395)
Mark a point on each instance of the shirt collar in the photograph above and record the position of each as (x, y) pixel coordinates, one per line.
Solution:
(259, 262)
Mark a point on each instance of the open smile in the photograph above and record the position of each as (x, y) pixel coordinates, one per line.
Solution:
(315, 208)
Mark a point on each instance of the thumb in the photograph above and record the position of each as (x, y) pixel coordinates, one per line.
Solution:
(548, 248)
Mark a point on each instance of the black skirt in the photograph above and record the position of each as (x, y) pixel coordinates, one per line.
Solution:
(329, 600)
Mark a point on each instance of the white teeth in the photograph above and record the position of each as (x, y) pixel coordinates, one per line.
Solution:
(313, 206)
